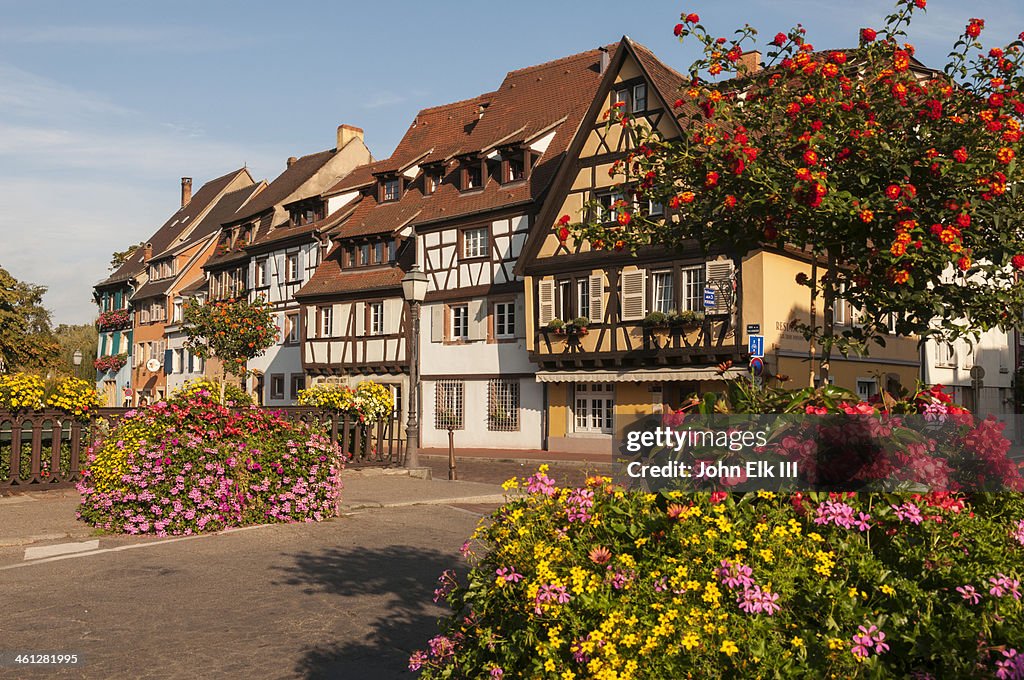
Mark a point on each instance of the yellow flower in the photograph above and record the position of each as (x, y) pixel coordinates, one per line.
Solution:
(888, 590)
(729, 647)
(689, 640)
(797, 642)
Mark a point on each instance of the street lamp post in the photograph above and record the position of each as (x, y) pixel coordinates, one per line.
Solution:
(414, 288)
(76, 359)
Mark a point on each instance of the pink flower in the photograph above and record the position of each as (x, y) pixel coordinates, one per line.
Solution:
(969, 593)
(509, 575)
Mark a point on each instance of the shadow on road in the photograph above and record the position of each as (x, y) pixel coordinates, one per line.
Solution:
(391, 588)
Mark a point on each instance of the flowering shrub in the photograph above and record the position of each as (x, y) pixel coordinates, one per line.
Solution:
(369, 401)
(191, 465)
(75, 396)
(114, 320)
(21, 392)
(110, 362)
(599, 583)
(210, 389)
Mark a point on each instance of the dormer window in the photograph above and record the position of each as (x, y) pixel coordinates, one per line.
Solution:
(431, 181)
(391, 189)
(514, 166)
(472, 178)
(369, 254)
(307, 212)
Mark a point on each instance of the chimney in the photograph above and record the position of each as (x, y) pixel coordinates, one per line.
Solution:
(346, 133)
(291, 161)
(751, 61)
(186, 191)
(606, 58)
(147, 251)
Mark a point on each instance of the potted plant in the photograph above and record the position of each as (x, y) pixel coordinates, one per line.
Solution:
(577, 327)
(556, 326)
(688, 319)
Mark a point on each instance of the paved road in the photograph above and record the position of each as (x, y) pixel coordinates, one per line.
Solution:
(496, 471)
(349, 598)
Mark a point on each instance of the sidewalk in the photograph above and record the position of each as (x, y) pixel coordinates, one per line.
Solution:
(521, 455)
(42, 517)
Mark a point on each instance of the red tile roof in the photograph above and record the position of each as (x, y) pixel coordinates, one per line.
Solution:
(330, 279)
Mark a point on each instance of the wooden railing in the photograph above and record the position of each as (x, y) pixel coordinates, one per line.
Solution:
(46, 449)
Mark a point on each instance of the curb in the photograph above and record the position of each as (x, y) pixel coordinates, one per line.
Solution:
(370, 505)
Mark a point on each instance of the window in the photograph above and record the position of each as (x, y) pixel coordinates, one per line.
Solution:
(392, 247)
(651, 207)
(396, 400)
(375, 320)
(514, 169)
(475, 242)
(503, 405)
(595, 407)
(693, 289)
(661, 286)
(610, 205)
(459, 329)
(565, 300)
(178, 310)
(448, 404)
(291, 325)
(292, 266)
(364, 254)
(620, 97)
(326, 316)
(471, 178)
(867, 388)
(504, 320)
(378, 252)
(839, 307)
(583, 297)
(348, 256)
(391, 188)
(277, 386)
(298, 382)
(262, 272)
(431, 181)
(639, 97)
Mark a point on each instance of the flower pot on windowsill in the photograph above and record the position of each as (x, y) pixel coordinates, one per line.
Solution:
(657, 324)
(578, 327)
(687, 321)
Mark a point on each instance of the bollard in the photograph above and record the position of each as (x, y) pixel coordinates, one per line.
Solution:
(452, 475)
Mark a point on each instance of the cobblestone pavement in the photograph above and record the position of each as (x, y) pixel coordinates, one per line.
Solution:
(348, 598)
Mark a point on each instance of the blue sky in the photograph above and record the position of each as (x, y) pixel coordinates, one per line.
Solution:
(104, 105)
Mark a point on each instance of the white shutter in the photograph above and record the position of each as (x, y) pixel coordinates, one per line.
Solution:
(437, 323)
(477, 319)
(595, 288)
(633, 298)
(520, 319)
(717, 273)
(392, 316)
(360, 312)
(545, 301)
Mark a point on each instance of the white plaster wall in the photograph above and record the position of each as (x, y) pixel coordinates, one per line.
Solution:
(476, 434)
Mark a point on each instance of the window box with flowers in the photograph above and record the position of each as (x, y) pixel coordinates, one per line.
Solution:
(110, 362)
(577, 328)
(687, 320)
(114, 320)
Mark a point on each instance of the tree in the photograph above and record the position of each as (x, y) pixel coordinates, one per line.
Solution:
(83, 338)
(25, 338)
(233, 331)
(121, 256)
(901, 182)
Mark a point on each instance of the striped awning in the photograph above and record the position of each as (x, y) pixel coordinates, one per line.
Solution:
(640, 375)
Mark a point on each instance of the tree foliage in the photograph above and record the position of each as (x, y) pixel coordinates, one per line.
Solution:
(121, 256)
(903, 182)
(26, 341)
(232, 331)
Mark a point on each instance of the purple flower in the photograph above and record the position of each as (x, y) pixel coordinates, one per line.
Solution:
(908, 512)
(541, 483)
(969, 593)
(508, 574)
(757, 601)
(550, 593)
(1004, 585)
(1018, 532)
(1012, 667)
(834, 512)
(735, 575)
(868, 640)
(441, 647)
(497, 673)
(416, 660)
(862, 522)
(578, 505)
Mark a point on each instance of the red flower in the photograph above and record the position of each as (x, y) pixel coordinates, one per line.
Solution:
(963, 219)
(892, 191)
(564, 220)
(711, 179)
(868, 34)
(995, 100)
(960, 155)
(779, 40)
(678, 29)
(1005, 155)
(625, 218)
(1017, 261)
(730, 201)
(692, 19)
(810, 157)
(920, 4)
(838, 57)
(964, 263)
(974, 27)
(563, 234)
(866, 216)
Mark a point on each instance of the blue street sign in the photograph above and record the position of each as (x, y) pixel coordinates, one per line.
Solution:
(756, 367)
(755, 345)
(709, 297)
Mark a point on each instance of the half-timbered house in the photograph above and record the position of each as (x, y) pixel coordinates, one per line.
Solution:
(457, 197)
(273, 247)
(604, 358)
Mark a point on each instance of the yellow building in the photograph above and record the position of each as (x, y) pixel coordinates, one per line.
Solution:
(598, 379)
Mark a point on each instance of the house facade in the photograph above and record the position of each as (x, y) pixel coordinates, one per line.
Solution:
(274, 246)
(601, 363)
(114, 346)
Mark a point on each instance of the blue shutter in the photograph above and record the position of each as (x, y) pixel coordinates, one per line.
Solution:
(115, 343)
(168, 361)
(117, 299)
